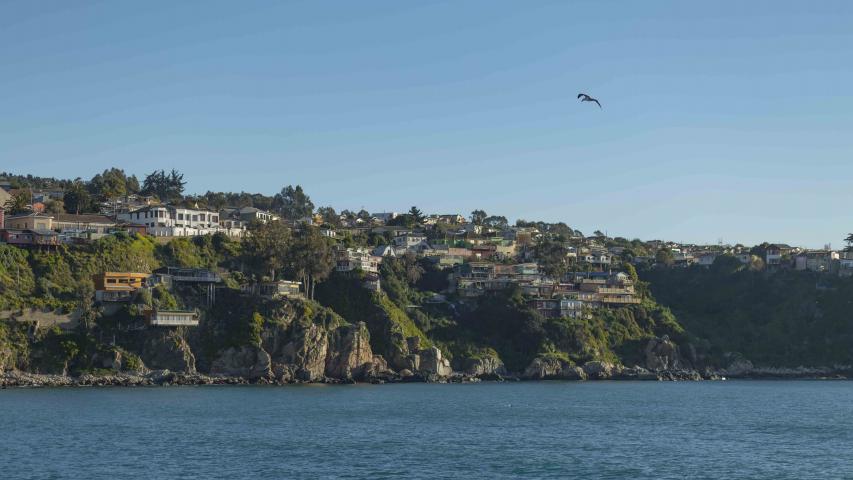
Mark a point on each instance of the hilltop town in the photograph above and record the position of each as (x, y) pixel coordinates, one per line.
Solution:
(113, 274)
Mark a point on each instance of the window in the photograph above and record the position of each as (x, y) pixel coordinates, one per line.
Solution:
(180, 216)
(195, 218)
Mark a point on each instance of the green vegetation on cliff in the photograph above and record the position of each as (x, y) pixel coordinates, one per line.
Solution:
(784, 318)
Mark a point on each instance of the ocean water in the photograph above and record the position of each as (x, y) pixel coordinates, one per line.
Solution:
(735, 429)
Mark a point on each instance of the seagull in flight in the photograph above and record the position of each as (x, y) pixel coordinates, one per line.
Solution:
(586, 98)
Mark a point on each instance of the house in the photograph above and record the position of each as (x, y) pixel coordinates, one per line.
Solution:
(169, 221)
(817, 261)
(411, 241)
(66, 222)
(245, 215)
(29, 238)
(328, 232)
(29, 221)
(773, 255)
(452, 219)
(357, 259)
(44, 196)
(599, 259)
(280, 289)
(682, 259)
(169, 275)
(385, 217)
(171, 318)
(557, 307)
(126, 204)
(118, 286)
(484, 252)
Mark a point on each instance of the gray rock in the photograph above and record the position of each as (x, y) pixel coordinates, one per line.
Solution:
(432, 363)
(599, 370)
(249, 361)
(485, 365)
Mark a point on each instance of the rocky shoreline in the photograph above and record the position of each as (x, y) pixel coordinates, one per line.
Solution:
(592, 371)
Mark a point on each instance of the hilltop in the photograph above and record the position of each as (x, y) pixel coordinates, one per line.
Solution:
(141, 279)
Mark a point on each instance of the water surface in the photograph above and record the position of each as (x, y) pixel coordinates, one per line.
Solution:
(736, 429)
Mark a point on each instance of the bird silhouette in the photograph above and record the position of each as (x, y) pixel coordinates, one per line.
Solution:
(586, 98)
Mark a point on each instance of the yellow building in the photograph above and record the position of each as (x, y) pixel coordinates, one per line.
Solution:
(118, 286)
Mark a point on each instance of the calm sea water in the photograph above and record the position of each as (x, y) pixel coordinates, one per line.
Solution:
(736, 429)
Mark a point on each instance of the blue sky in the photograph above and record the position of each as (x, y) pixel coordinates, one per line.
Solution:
(723, 120)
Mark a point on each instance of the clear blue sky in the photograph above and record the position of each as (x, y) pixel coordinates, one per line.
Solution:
(721, 119)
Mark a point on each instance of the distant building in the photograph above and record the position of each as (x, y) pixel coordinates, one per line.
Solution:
(385, 217)
(30, 238)
(277, 289)
(357, 259)
(817, 261)
(233, 217)
(169, 221)
(773, 256)
(29, 221)
(453, 219)
(171, 318)
(66, 222)
(118, 286)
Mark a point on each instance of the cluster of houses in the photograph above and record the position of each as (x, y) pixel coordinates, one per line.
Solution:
(479, 258)
(494, 261)
(123, 287)
(772, 256)
(36, 228)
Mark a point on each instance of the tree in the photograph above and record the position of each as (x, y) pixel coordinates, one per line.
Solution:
(631, 272)
(496, 221)
(416, 215)
(77, 198)
(111, 184)
(552, 257)
(132, 184)
(19, 203)
(726, 265)
(293, 203)
(266, 247)
(478, 216)
(167, 187)
(54, 207)
(664, 257)
(330, 216)
(216, 200)
(311, 258)
(849, 241)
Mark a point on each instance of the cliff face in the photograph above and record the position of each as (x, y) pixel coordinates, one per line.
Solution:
(773, 319)
(167, 350)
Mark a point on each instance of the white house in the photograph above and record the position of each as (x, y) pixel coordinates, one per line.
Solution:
(169, 221)
(385, 217)
(411, 241)
(357, 259)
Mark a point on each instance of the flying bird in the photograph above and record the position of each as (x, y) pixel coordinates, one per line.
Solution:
(586, 98)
